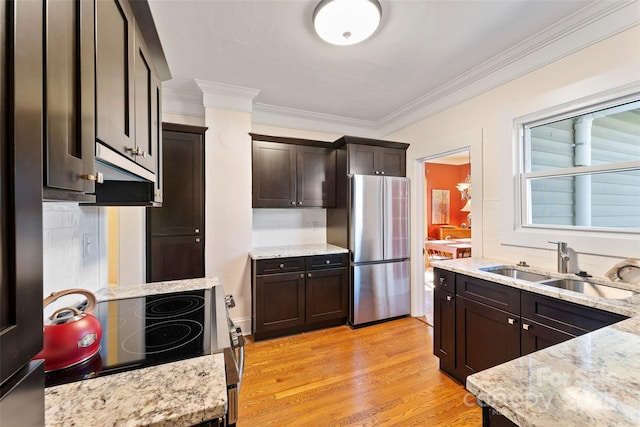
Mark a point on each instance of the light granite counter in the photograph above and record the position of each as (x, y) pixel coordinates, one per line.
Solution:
(174, 394)
(591, 380)
(472, 267)
(296, 250)
(155, 288)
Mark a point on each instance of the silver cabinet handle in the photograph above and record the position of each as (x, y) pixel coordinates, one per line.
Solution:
(309, 275)
(382, 173)
(299, 203)
(281, 265)
(449, 298)
(293, 203)
(525, 326)
(377, 172)
(327, 262)
(511, 321)
(302, 275)
(441, 280)
(197, 240)
(197, 230)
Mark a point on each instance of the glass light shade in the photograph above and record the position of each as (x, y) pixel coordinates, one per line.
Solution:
(467, 206)
(346, 22)
(463, 186)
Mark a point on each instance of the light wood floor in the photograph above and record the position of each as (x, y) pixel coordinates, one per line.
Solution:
(381, 375)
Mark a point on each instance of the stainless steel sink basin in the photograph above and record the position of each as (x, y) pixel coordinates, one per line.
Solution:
(516, 274)
(589, 288)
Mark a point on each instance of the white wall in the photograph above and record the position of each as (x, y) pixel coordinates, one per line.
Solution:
(486, 123)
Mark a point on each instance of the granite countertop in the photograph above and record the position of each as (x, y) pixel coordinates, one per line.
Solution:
(174, 394)
(471, 266)
(296, 250)
(591, 380)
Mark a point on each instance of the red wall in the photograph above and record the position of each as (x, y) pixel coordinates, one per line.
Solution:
(445, 177)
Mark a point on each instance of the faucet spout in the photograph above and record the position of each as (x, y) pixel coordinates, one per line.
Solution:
(562, 256)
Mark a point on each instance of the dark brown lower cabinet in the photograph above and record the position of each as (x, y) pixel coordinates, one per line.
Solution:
(312, 296)
(485, 336)
(176, 258)
(444, 341)
(479, 324)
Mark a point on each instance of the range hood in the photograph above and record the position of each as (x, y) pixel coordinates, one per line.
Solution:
(124, 183)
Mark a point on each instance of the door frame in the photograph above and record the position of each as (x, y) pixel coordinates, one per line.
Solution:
(420, 187)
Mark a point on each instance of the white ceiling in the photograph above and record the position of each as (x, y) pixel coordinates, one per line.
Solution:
(421, 49)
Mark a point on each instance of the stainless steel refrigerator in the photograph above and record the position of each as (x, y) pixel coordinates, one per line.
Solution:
(379, 244)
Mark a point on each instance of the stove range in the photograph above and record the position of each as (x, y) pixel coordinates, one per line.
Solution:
(146, 331)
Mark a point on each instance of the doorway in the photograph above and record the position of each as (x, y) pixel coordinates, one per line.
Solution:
(445, 212)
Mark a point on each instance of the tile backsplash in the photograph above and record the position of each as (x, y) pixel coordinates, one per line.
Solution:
(74, 247)
(277, 227)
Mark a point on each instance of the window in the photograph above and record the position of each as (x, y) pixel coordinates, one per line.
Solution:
(581, 170)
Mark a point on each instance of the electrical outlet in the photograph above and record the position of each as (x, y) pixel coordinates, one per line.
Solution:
(87, 245)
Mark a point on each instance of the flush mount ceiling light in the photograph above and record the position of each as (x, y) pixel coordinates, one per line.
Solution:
(346, 22)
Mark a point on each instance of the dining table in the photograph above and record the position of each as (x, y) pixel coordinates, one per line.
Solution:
(456, 247)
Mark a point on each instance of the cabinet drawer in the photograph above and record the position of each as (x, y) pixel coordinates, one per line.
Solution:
(489, 293)
(565, 316)
(279, 265)
(444, 279)
(319, 262)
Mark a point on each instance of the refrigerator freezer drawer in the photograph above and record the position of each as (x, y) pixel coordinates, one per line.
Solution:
(380, 291)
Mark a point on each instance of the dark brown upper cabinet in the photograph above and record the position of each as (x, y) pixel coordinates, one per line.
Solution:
(128, 115)
(366, 156)
(293, 173)
(115, 59)
(69, 102)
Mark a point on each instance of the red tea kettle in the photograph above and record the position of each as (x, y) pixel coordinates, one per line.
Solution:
(72, 336)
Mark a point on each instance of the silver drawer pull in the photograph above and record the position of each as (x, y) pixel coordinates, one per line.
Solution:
(309, 275)
(281, 265)
(197, 240)
(525, 326)
(511, 321)
(441, 280)
(327, 262)
(449, 297)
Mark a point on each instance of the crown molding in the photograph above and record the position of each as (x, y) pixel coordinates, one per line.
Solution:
(182, 103)
(227, 97)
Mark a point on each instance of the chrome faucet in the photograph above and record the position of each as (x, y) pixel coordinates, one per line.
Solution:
(563, 256)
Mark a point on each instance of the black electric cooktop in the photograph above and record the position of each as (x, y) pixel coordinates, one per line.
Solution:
(146, 331)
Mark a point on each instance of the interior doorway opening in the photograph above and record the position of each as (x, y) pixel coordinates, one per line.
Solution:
(446, 213)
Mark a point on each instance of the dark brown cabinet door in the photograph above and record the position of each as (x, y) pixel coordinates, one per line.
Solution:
(145, 151)
(316, 176)
(392, 161)
(21, 130)
(485, 336)
(115, 58)
(279, 302)
(182, 211)
(69, 138)
(274, 175)
(177, 257)
(362, 159)
(444, 329)
(535, 336)
(179, 223)
(327, 294)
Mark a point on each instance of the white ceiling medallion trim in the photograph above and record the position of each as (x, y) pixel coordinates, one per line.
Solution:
(183, 103)
(592, 24)
(227, 97)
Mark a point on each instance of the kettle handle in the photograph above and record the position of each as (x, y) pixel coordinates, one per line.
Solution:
(91, 298)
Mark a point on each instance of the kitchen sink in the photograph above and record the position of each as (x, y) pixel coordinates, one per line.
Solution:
(589, 288)
(516, 274)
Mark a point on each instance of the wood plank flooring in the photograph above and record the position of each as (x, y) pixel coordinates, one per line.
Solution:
(381, 375)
